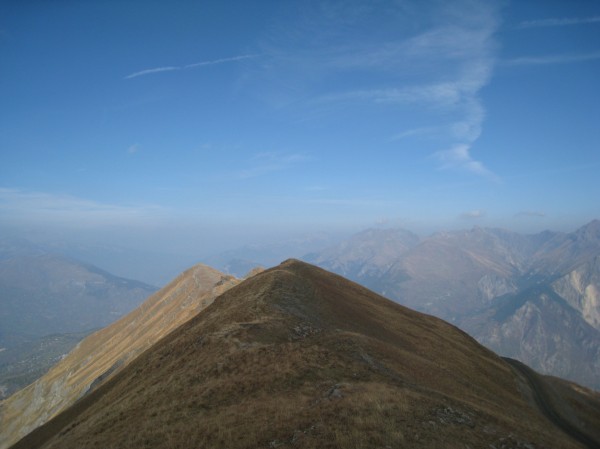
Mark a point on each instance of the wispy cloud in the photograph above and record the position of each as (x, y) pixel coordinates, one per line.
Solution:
(427, 64)
(188, 66)
(418, 132)
(459, 157)
(552, 59)
(20, 206)
(133, 148)
(558, 22)
(445, 94)
(269, 162)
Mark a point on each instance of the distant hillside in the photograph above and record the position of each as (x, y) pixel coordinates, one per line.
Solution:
(43, 293)
(532, 297)
(49, 303)
(104, 353)
(299, 357)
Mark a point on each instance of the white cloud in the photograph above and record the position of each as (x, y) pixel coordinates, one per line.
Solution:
(150, 71)
(552, 59)
(459, 157)
(133, 148)
(557, 22)
(188, 66)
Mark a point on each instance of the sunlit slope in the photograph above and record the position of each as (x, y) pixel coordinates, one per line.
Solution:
(109, 350)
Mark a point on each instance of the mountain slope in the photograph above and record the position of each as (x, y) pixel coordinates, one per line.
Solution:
(43, 293)
(109, 350)
(366, 256)
(299, 357)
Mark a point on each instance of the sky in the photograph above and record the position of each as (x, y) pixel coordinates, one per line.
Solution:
(203, 125)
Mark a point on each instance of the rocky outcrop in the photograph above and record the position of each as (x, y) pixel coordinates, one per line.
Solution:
(581, 289)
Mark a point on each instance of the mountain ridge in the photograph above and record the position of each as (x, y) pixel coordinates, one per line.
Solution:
(299, 357)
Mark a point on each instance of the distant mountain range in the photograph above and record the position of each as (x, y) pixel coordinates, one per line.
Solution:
(292, 357)
(44, 293)
(49, 302)
(238, 262)
(532, 297)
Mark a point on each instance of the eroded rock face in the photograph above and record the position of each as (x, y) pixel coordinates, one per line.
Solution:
(542, 330)
(581, 289)
(491, 286)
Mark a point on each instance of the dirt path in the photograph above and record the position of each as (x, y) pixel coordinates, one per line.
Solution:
(542, 399)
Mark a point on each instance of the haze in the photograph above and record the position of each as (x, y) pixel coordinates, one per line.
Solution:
(191, 128)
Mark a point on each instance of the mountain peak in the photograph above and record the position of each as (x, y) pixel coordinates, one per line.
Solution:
(589, 232)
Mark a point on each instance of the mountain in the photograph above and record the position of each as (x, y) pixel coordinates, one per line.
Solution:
(366, 255)
(539, 326)
(532, 297)
(49, 303)
(44, 293)
(299, 357)
(565, 252)
(106, 352)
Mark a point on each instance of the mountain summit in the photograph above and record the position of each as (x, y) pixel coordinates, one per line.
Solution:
(298, 357)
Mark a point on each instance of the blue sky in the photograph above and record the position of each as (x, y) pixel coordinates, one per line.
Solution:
(148, 119)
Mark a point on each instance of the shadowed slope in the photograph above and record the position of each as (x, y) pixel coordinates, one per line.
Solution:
(105, 352)
(574, 422)
(299, 357)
